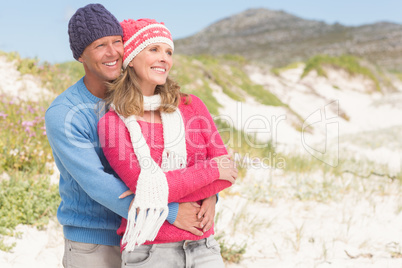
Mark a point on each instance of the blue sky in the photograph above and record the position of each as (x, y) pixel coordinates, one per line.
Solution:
(39, 28)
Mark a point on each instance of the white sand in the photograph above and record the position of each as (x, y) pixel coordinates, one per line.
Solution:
(25, 87)
(283, 231)
(35, 248)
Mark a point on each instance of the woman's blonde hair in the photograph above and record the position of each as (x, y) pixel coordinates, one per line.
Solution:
(126, 95)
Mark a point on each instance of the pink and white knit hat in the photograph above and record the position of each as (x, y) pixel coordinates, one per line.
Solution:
(138, 34)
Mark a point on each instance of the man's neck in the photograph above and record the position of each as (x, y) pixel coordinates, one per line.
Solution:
(96, 87)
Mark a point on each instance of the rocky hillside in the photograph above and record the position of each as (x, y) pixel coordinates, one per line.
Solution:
(279, 38)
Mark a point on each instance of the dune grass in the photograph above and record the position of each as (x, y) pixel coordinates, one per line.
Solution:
(347, 62)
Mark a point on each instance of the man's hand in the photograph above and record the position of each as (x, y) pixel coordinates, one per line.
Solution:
(187, 218)
(207, 213)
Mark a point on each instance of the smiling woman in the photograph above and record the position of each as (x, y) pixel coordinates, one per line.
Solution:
(152, 66)
(169, 151)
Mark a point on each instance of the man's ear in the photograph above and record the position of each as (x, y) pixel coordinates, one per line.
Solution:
(80, 59)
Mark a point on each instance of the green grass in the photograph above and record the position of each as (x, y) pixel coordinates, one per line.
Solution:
(23, 141)
(195, 73)
(349, 63)
(25, 199)
(231, 253)
(59, 77)
(216, 71)
(193, 80)
(278, 70)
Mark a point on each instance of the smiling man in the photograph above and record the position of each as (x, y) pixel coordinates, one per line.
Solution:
(90, 209)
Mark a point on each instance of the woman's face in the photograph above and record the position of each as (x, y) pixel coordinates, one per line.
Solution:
(152, 66)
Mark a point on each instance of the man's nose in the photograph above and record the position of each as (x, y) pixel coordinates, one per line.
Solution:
(111, 50)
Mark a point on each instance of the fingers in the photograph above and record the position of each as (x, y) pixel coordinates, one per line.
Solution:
(125, 194)
(195, 231)
(201, 212)
(207, 225)
(195, 204)
(204, 222)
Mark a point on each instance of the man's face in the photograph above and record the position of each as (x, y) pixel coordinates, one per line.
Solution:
(102, 59)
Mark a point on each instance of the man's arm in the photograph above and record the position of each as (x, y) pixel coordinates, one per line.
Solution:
(68, 134)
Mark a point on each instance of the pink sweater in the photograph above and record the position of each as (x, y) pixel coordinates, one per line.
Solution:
(194, 183)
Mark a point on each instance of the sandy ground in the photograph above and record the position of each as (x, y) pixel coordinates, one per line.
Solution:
(297, 225)
(361, 228)
(26, 87)
(35, 248)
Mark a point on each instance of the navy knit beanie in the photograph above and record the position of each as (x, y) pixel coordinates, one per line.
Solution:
(90, 23)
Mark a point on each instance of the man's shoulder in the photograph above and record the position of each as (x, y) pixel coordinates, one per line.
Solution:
(68, 98)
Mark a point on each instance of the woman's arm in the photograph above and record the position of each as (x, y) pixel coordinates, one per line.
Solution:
(116, 144)
(213, 140)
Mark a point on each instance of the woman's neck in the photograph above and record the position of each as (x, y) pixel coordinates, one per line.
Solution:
(148, 91)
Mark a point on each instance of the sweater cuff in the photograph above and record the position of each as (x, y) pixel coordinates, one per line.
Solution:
(173, 210)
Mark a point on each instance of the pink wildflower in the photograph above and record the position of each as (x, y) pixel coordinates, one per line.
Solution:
(28, 123)
(31, 109)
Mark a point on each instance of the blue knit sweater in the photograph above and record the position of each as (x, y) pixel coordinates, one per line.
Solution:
(90, 210)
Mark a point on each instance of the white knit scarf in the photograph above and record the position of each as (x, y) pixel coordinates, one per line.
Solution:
(151, 197)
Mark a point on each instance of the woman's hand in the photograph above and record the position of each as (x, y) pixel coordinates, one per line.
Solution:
(207, 213)
(187, 218)
(227, 168)
(128, 193)
(125, 194)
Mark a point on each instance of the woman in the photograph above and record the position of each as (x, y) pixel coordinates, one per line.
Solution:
(164, 145)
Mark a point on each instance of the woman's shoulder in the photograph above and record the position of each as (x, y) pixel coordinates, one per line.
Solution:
(109, 117)
(109, 114)
(191, 100)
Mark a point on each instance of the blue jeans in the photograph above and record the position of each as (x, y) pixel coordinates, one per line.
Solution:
(204, 253)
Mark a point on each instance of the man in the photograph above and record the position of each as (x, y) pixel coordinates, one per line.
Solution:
(90, 209)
